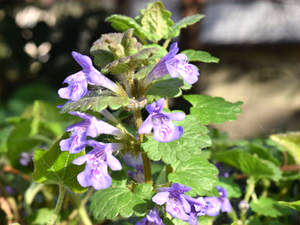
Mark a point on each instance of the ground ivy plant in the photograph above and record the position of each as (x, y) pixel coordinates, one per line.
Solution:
(119, 155)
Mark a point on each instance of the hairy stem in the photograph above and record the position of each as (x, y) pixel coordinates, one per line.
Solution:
(84, 215)
(249, 191)
(146, 160)
(59, 202)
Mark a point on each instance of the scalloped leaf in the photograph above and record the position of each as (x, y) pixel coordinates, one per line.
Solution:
(200, 56)
(186, 21)
(55, 167)
(121, 201)
(213, 109)
(194, 138)
(196, 173)
(156, 21)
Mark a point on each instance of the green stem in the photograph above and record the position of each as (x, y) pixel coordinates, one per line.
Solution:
(249, 191)
(166, 43)
(146, 160)
(83, 215)
(59, 202)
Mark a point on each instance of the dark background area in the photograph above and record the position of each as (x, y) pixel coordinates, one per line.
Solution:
(256, 40)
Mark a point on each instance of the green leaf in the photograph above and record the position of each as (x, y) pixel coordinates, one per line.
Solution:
(213, 109)
(293, 205)
(200, 56)
(231, 187)
(96, 103)
(20, 141)
(194, 138)
(106, 48)
(291, 142)
(165, 87)
(156, 21)
(55, 166)
(4, 134)
(196, 173)
(123, 64)
(269, 207)
(121, 201)
(249, 164)
(186, 21)
(130, 43)
(40, 217)
(123, 23)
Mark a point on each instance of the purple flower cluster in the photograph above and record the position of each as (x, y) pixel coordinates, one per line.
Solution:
(186, 208)
(180, 205)
(78, 82)
(161, 123)
(175, 65)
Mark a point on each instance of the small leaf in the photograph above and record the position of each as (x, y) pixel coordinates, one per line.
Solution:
(293, 205)
(156, 21)
(96, 103)
(213, 109)
(123, 23)
(194, 138)
(249, 164)
(41, 216)
(200, 56)
(130, 44)
(55, 166)
(196, 173)
(120, 201)
(291, 142)
(186, 21)
(269, 207)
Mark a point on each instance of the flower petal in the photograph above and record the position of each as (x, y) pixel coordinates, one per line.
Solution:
(83, 60)
(146, 126)
(226, 206)
(175, 208)
(214, 206)
(189, 73)
(80, 160)
(161, 198)
(113, 162)
(177, 116)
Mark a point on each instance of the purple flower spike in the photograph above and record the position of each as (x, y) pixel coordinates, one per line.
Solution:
(89, 126)
(97, 162)
(215, 204)
(177, 204)
(175, 65)
(161, 123)
(78, 82)
(152, 218)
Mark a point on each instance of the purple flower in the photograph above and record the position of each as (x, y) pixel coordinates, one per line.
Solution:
(152, 218)
(26, 158)
(215, 204)
(161, 123)
(97, 162)
(175, 65)
(177, 204)
(198, 208)
(89, 126)
(78, 82)
(137, 164)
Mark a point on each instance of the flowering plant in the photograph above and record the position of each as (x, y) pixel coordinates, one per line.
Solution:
(126, 153)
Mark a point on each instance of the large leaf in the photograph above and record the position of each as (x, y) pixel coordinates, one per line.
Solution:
(194, 138)
(213, 109)
(111, 202)
(249, 164)
(200, 56)
(96, 103)
(269, 207)
(123, 23)
(196, 173)
(186, 21)
(291, 142)
(165, 87)
(54, 166)
(156, 21)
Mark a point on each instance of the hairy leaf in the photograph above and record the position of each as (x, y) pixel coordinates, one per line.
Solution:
(165, 87)
(196, 173)
(213, 109)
